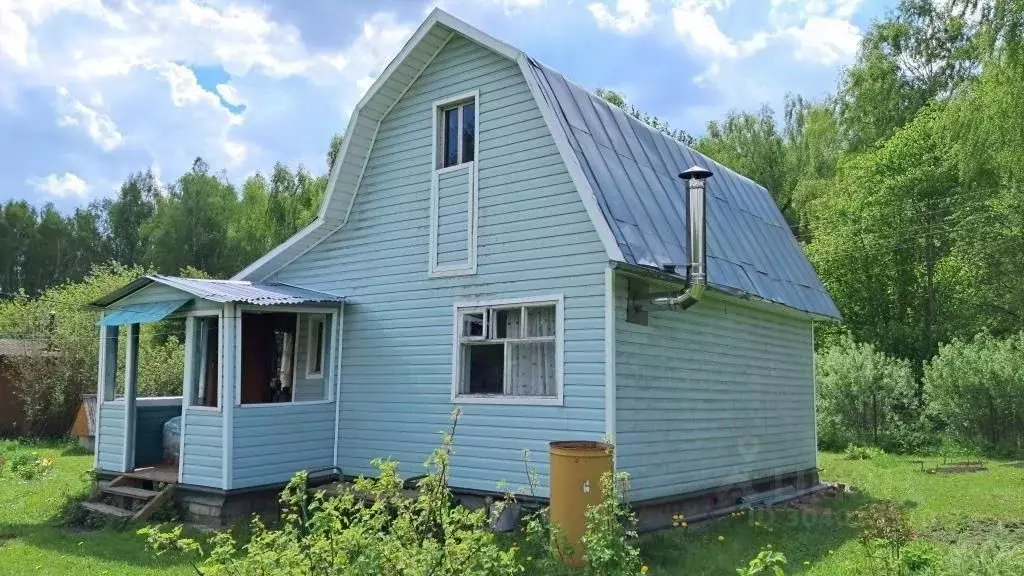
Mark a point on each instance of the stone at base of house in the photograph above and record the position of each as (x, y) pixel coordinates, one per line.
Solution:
(214, 508)
(658, 514)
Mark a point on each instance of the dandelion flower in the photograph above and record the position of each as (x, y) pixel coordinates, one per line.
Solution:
(721, 538)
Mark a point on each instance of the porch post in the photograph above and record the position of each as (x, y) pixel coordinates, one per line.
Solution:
(230, 373)
(131, 377)
(105, 381)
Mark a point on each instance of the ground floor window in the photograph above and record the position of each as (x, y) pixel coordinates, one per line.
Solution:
(510, 350)
(272, 345)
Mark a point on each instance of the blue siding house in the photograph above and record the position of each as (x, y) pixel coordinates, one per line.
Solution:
(496, 239)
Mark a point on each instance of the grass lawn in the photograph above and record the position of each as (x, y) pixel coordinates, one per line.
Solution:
(966, 509)
(944, 509)
(30, 541)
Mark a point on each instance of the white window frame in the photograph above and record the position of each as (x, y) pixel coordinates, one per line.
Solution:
(331, 368)
(461, 308)
(191, 320)
(314, 320)
(472, 174)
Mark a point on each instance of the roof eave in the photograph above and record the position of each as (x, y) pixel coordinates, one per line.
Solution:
(677, 281)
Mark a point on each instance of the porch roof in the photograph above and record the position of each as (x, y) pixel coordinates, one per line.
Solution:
(223, 291)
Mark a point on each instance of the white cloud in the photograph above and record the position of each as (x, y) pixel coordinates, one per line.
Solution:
(133, 61)
(15, 40)
(700, 31)
(825, 40)
(230, 95)
(819, 32)
(628, 15)
(100, 128)
(61, 186)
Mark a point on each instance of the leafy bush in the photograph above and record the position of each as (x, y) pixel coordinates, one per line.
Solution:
(26, 465)
(885, 533)
(50, 386)
(976, 389)
(767, 561)
(991, 559)
(864, 398)
(374, 529)
(854, 452)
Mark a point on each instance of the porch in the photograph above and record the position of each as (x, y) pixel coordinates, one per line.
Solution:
(259, 390)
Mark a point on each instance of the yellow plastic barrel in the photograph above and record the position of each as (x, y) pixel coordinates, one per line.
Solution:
(576, 469)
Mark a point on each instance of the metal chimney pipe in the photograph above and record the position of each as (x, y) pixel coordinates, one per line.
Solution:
(696, 222)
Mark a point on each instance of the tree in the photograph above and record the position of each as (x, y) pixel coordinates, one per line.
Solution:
(17, 234)
(881, 231)
(922, 51)
(616, 99)
(135, 204)
(49, 251)
(190, 224)
(334, 150)
(752, 145)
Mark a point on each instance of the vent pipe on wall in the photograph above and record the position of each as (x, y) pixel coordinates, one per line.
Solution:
(696, 222)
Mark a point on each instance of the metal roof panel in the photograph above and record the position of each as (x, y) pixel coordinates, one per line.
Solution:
(632, 170)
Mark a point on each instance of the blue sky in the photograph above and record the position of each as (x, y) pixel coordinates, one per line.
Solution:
(91, 90)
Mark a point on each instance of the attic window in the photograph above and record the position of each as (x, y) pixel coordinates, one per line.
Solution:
(457, 133)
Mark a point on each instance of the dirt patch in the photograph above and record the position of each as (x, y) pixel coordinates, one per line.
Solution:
(963, 531)
(1017, 464)
(957, 469)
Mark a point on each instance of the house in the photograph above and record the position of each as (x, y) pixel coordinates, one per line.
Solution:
(495, 238)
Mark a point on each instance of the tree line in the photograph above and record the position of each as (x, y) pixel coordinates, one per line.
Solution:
(199, 221)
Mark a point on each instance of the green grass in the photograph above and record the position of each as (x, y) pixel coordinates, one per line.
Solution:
(946, 510)
(31, 541)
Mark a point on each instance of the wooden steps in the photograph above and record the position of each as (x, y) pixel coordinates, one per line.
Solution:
(107, 510)
(131, 496)
(131, 492)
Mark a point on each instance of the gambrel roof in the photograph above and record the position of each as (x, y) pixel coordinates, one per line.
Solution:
(625, 172)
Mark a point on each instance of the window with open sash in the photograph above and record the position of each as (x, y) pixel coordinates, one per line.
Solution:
(509, 351)
(457, 134)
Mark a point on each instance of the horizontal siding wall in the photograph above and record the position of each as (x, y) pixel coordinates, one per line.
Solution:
(717, 394)
(203, 460)
(272, 443)
(535, 239)
(110, 440)
(453, 217)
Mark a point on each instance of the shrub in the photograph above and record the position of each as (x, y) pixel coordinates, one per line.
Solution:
(767, 561)
(50, 386)
(854, 452)
(864, 397)
(991, 559)
(26, 465)
(373, 529)
(885, 533)
(976, 390)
